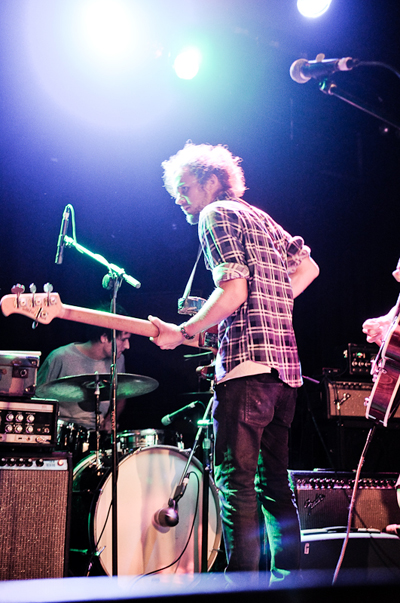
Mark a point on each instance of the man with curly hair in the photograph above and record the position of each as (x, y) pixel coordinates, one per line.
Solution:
(258, 269)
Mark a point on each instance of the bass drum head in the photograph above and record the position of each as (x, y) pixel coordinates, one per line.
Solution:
(146, 481)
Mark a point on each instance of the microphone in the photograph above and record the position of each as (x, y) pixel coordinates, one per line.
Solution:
(167, 420)
(301, 71)
(168, 517)
(61, 236)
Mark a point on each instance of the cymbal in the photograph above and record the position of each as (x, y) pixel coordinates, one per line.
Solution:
(81, 388)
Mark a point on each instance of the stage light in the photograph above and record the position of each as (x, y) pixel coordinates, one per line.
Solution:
(187, 63)
(96, 59)
(108, 28)
(313, 8)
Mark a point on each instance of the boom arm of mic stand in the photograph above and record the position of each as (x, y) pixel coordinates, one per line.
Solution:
(328, 87)
(112, 268)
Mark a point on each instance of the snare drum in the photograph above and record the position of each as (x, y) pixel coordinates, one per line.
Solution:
(147, 479)
(128, 441)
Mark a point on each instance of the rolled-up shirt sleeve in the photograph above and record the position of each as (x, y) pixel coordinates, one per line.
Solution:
(227, 272)
(297, 251)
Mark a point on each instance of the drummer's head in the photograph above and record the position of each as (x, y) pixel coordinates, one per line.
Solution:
(100, 335)
(122, 343)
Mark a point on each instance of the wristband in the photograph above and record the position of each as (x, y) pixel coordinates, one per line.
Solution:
(184, 333)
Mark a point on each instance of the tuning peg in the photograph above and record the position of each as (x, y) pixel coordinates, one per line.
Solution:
(32, 288)
(17, 289)
(48, 288)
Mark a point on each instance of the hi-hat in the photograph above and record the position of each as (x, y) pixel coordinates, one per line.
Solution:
(82, 388)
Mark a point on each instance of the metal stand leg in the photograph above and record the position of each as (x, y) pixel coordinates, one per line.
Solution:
(169, 515)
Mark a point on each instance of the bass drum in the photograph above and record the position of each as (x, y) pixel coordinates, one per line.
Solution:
(146, 481)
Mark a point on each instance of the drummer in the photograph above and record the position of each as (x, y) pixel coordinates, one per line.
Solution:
(86, 358)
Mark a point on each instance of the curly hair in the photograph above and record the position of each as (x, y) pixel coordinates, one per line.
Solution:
(202, 161)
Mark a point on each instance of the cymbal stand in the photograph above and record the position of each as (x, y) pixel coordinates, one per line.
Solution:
(97, 411)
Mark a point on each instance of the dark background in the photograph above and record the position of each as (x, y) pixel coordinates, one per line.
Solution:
(320, 167)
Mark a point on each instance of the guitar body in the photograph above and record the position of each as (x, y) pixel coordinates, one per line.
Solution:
(385, 395)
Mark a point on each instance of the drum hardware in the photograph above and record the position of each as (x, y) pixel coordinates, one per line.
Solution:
(89, 390)
(98, 416)
(130, 440)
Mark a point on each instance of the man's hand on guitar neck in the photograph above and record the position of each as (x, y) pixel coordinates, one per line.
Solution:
(376, 328)
(170, 335)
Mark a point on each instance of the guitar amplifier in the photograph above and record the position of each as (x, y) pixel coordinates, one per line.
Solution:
(360, 358)
(347, 398)
(18, 372)
(28, 422)
(323, 499)
(35, 499)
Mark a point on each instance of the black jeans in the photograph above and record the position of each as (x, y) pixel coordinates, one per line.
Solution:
(252, 416)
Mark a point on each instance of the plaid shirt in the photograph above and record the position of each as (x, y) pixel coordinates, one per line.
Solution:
(241, 241)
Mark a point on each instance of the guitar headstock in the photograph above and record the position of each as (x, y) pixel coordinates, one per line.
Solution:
(40, 307)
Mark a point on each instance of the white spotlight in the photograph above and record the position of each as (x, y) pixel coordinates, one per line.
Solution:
(313, 8)
(187, 63)
(107, 27)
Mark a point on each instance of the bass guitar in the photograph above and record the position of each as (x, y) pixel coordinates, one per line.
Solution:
(44, 307)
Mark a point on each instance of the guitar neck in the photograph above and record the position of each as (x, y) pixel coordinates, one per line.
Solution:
(44, 307)
(136, 326)
(107, 320)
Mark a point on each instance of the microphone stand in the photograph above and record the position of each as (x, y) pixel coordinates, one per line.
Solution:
(113, 269)
(115, 283)
(204, 424)
(112, 280)
(327, 86)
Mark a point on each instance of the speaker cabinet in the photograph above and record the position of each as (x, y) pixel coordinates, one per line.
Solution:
(366, 551)
(323, 499)
(35, 494)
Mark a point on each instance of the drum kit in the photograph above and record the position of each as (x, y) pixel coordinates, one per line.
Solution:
(167, 505)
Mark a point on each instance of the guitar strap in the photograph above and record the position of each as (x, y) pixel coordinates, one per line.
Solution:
(188, 288)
